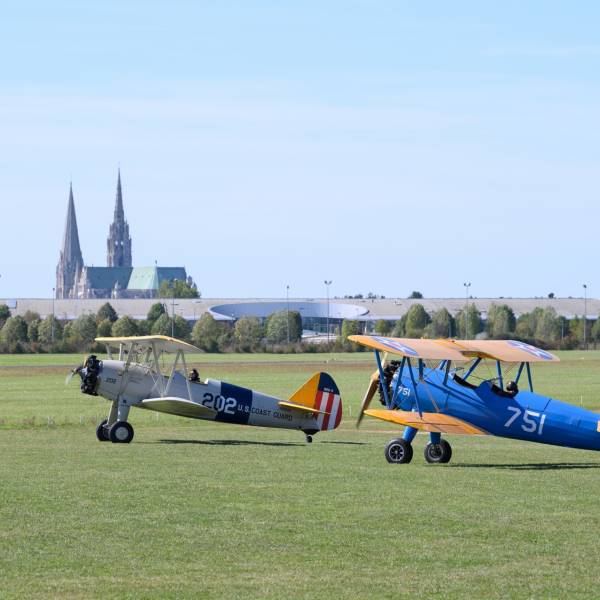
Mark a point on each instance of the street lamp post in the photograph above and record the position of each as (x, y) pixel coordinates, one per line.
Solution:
(467, 286)
(173, 312)
(585, 315)
(287, 298)
(327, 284)
(52, 326)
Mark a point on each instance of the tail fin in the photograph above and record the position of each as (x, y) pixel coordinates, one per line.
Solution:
(321, 393)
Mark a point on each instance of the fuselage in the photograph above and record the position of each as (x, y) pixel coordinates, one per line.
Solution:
(232, 403)
(524, 416)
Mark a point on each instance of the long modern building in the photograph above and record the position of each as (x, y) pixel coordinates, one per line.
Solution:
(316, 312)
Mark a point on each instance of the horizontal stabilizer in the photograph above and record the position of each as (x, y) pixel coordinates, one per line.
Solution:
(432, 422)
(178, 406)
(302, 407)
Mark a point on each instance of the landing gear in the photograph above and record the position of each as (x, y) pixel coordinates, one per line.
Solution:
(399, 451)
(309, 439)
(102, 431)
(440, 452)
(120, 432)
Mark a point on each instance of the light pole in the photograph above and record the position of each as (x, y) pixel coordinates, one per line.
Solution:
(327, 284)
(173, 312)
(585, 316)
(52, 326)
(467, 286)
(287, 298)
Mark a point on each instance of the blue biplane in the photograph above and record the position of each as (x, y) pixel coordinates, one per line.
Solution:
(427, 389)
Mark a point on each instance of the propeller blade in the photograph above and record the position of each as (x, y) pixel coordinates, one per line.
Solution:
(71, 373)
(373, 386)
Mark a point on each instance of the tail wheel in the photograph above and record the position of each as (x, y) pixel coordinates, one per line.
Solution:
(102, 431)
(120, 432)
(399, 451)
(309, 439)
(438, 453)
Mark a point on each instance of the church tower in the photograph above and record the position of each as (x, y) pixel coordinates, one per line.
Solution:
(70, 262)
(118, 242)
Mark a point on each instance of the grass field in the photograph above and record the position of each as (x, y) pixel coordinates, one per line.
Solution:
(199, 510)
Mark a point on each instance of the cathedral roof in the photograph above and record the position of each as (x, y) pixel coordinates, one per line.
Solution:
(150, 278)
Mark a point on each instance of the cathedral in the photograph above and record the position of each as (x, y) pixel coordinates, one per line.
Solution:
(119, 279)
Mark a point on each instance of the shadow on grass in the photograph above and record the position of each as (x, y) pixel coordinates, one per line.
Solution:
(529, 466)
(229, 443)
(344, 443)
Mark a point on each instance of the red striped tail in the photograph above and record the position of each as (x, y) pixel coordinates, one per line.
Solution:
(321, 392)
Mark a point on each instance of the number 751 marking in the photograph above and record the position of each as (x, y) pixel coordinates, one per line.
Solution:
(529, 424)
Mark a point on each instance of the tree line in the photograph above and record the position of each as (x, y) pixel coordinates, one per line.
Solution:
(30, 333)
(282, 331)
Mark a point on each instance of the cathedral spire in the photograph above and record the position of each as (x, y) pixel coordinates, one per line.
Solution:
(119, 212)
(70, 262)
(118, 244)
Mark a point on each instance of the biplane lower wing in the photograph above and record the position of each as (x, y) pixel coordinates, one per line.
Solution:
(178, 406)
(432, 422)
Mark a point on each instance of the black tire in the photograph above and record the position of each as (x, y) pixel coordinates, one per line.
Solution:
(102, 431)
(120, 432)
(309, 439)
(398, 451)
(438, 453)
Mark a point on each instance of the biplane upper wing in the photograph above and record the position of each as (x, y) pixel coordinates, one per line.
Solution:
(502, 350)
(436, 422)
(178, 406)
(162, 343)
(411, 348)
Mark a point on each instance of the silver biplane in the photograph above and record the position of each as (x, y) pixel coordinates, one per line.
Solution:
(135, 378)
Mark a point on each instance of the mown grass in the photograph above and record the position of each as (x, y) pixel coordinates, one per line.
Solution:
(203, 510)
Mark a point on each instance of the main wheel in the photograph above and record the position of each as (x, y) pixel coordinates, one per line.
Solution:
(399, 451)
(102, 431)
(120, 432)
(438, 453)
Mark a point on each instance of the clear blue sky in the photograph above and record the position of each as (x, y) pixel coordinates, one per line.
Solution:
(388, 146)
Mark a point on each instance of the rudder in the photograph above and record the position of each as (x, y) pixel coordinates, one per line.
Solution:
(321, 393)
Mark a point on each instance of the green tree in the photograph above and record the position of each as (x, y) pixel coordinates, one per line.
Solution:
(415, 295)
(383, 327)
(164, 326)
(124, 327)
(14, 330)
(107, 312)
(473, 321)
(4, 313)
(83, 329)
(501, 322)
(595, 332)
(104, 328)
(416, 321)
(442, 325)
(30, 316)
(248, 333)
(210, 335)
(400, 327)
(277, 327)
(45, 330)
(548, 326)
(156, 310)
(178, 289)
(350, 327)
(527, 323)
(33, 330)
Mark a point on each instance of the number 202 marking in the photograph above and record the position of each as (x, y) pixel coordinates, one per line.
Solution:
(529, 425)
(220, 403)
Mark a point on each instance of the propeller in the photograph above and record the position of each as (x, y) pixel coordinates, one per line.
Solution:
(373, 386)
(74, 371)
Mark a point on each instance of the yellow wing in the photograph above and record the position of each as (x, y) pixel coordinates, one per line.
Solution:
(502, 350)
(436, 422)
(162, 343)
(425, 349)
